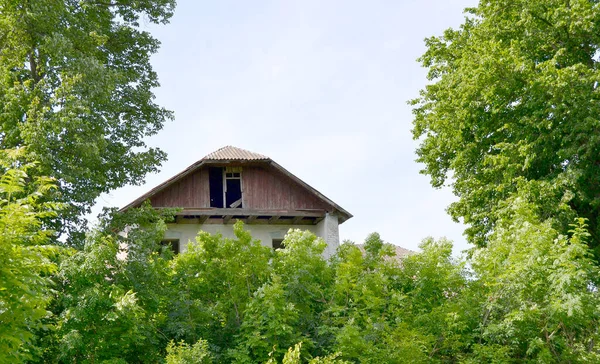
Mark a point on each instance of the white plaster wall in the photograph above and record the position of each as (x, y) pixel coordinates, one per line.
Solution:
(264, 233)
(329, 230)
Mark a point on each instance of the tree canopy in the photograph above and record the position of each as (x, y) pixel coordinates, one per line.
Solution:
(76, 89)
(527, 298)
(512, 109)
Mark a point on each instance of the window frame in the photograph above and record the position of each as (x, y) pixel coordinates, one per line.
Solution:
(233, 171)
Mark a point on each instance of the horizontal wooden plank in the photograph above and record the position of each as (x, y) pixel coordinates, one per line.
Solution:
(248, 212)
(224, 221)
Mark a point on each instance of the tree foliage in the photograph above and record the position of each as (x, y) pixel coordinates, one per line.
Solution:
(114, 294)
(512, 106)
(541, 290)
(25, 257)
(76, 89)
(216, 282)
(529, 296)
(183, 353)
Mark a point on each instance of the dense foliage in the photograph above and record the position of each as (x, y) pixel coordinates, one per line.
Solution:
(25, 258)
(513, 106)
(76, 89)
(529, 296)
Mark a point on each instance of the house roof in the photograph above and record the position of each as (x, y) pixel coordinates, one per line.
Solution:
(230, 153)
(400, 251)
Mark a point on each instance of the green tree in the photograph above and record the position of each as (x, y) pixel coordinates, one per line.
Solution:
(441, 300)
(288, 308)
(513, 104)
(182, 353)
(76, 88)
(539, 300)
(216, 279)
(308, 279)
(25, 264)
(293, 356)
(370, 316)
(270, 325)
(115, 293)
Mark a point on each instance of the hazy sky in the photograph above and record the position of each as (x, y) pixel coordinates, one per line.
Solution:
(320, 87)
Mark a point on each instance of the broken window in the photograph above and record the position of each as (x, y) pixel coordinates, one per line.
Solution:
(225, 187)
(233, 187)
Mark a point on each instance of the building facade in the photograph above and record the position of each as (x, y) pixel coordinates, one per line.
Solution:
(233, 184)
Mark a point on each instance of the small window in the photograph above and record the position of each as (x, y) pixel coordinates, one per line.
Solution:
(277, 244)
(171, 243)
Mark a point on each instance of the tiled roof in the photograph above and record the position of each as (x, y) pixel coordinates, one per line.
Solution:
(400, 251)
(234, 153)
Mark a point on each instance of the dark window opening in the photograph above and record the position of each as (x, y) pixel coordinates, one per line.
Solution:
(277, 243)
(225, 187)
(172, 244)
(233, 194)
(215, 181)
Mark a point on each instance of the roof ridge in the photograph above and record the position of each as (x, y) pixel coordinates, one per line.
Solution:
(230, 152)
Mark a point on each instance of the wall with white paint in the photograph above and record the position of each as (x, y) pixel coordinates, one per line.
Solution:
(326, 229)
(329, 230)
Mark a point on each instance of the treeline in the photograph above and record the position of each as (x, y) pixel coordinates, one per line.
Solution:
(530, 296)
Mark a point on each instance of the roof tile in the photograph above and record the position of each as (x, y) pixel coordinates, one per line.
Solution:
(234, 153)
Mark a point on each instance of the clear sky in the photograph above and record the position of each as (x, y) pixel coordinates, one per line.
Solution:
(320, 86)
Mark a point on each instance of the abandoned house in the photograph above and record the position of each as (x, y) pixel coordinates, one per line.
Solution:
(233, 184)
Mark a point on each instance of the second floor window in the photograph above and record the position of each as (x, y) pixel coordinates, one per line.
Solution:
(233, 187)
(225, 187)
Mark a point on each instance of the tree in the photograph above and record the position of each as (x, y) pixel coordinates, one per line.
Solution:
(530, 295)
(512, 106)
(293, 356)
(216, 279)
(113, 294)
(76, 88)
(270, 325)
(182, 353)
(25, 264)
(539, 296)
(288, 308)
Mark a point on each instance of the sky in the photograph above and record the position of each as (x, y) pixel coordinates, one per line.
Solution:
(319, 86)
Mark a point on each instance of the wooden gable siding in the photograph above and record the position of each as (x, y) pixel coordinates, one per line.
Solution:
(264, 188)
(269, 189)
(191, 191)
